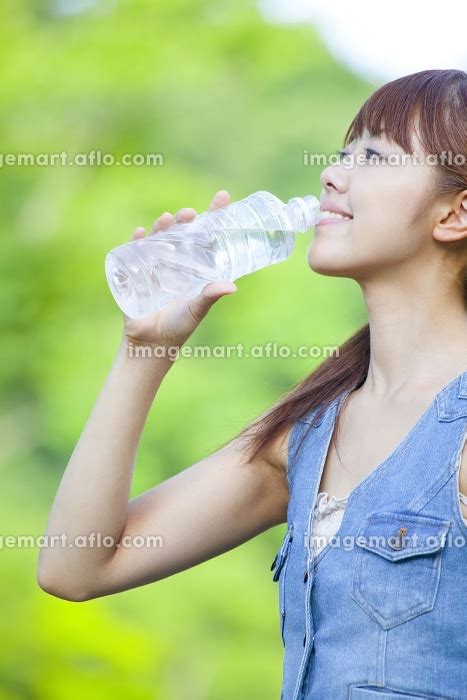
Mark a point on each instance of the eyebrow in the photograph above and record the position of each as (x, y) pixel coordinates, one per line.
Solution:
(375, 136)
(370, 136)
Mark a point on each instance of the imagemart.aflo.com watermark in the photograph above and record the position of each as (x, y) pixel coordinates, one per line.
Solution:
(93, 158)
(350, 160)
(269, 350)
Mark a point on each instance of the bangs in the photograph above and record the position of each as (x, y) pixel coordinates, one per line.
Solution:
(428, 103)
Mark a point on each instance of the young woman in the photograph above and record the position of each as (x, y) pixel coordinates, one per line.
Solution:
(379, 611)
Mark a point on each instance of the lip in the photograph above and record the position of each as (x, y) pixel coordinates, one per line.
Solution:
(335, 209)
(328, 222)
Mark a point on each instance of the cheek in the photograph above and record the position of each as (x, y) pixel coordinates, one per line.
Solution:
(383, 188)
(384, 203)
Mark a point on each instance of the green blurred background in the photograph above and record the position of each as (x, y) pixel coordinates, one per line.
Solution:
(231, 102)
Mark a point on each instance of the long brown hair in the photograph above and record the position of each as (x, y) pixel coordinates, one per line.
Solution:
(439, 99)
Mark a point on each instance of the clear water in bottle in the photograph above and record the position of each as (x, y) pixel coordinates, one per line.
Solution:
(146, 274)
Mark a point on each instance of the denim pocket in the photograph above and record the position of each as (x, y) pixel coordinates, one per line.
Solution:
(366, 692)
(397, 565)
(279, 565)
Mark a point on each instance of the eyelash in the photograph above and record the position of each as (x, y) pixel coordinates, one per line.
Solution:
(342, 154)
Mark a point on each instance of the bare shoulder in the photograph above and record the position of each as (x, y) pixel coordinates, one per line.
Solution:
(278, 450)
(270, 462)
(275, 453)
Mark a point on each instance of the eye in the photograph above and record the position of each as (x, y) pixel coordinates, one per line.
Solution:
(342, 154)
(373, 155)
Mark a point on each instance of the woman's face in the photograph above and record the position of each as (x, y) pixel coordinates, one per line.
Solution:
(391, 206)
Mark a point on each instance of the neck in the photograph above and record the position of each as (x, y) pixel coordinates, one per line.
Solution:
(417, 339)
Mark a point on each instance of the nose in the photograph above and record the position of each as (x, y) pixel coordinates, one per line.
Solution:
(334, 178)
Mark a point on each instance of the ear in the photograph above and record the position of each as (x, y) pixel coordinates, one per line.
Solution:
(452, 226)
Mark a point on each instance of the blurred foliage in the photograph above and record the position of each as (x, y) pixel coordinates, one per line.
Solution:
(231, 102)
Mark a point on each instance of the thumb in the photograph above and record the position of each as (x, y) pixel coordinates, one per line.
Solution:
(214, 290)
(200, 305)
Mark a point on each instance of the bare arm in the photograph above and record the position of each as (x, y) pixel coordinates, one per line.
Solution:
(209, 508)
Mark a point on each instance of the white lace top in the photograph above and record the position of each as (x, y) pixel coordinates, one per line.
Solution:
(328, 516)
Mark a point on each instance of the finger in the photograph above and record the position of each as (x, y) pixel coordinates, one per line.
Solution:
(215, 290)
(162, 222)
(138, 233)
(185, 214)
(211, 292)
(220, 199)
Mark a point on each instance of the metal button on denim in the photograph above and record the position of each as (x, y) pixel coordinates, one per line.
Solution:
(398, 541)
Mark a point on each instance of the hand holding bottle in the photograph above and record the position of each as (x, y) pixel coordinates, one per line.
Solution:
(175, 322)
(223, 244)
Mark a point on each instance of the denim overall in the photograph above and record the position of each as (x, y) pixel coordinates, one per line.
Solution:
(381, 611)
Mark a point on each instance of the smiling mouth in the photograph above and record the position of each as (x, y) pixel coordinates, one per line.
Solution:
(331, 217)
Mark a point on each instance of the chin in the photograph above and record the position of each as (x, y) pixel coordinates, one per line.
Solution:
(327, 264)
(331, 271)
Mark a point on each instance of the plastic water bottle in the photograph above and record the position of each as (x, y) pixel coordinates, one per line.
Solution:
(144, 275)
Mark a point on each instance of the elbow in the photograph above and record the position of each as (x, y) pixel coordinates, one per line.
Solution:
(57, 587)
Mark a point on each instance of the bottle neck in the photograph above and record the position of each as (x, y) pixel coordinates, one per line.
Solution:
(303, 212)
